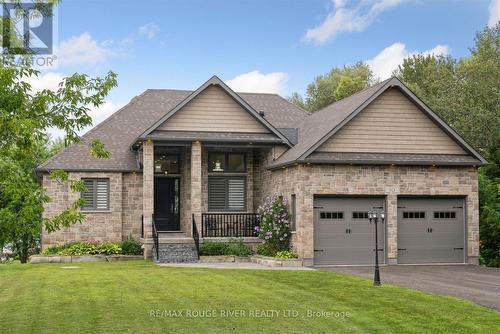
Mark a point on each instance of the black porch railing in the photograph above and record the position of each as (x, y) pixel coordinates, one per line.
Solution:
(196, 237)
(142, 226)
(229, 224)
(155, 236)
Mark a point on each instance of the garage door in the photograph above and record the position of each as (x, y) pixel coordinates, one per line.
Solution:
(431, 230)
(343, 234)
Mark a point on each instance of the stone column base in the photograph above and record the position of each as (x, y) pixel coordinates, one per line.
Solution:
(473, 260)
(392, 262)
(147, 245)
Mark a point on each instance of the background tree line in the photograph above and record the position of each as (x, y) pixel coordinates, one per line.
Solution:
(464, 92)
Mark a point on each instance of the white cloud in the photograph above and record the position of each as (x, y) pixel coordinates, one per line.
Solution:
(353, 19)
(339, 3)
(82, 49)
(389, 58)
(257, 82)
(150, 30)
(494, 9)
(49, 80)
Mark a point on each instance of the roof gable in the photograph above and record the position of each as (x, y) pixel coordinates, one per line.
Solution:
(212, 83)
(323, 124)
(213, 110)
(391, 124)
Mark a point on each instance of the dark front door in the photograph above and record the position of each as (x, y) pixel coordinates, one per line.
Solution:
(167, 203)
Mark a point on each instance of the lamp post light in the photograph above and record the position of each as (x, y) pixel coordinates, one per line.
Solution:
(374, 216)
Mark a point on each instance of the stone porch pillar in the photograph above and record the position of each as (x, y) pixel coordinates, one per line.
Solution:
(196, 196)
(148, 195)
(392, 229)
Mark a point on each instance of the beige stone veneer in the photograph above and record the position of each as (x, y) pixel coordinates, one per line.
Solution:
(306, 181)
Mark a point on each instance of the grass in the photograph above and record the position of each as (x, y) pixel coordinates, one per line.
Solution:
(119, 298)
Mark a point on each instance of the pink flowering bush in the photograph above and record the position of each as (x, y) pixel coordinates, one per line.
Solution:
(274, 226)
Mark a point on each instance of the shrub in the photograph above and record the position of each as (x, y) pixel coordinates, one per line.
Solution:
(131, 247)
(274, 226)
(266, 250)
(286, 255)
(56, 249)
(83, 248)
(231, 247)
(78, 248)
(108, 248)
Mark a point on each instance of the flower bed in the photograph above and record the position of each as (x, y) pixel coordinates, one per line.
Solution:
(34, 259)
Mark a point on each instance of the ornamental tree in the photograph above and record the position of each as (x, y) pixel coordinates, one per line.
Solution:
(25, 117)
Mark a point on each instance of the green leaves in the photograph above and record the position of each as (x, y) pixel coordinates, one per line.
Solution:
(97, 149)
(340, 82)
(25, 117)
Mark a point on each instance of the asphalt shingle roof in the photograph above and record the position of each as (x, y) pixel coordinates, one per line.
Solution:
(320, 123)
(120, 130)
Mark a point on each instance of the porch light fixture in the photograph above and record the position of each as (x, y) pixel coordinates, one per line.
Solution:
(374, 216)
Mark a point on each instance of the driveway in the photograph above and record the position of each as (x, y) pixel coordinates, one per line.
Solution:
(478, 284)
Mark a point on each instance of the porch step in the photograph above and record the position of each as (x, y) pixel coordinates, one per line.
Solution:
(176, 250)
(169, 234)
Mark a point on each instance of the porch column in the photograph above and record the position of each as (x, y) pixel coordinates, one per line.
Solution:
(148, 195)
(196, 182)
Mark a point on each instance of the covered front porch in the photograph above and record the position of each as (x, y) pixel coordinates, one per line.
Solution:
(196, 190)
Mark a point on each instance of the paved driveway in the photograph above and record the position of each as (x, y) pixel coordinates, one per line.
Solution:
(479, 284)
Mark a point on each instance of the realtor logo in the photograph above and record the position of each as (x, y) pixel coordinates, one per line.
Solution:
(27, 28)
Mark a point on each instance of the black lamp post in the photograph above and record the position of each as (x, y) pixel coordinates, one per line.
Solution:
(374, 216)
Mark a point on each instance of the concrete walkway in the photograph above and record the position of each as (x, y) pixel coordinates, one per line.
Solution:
(230, 265)
(478, 284)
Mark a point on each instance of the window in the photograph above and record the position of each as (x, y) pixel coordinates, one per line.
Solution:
(331, 215)
(166, 162)
(293, 209)
(97, 195)
(414, 214)
(226, 162)
(444, 215)
(226, 194)
(360, 215)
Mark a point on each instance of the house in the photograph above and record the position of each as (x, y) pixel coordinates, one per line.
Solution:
(197, 164)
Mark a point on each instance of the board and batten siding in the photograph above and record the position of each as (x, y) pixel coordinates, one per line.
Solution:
(391, 124)
(213, 110)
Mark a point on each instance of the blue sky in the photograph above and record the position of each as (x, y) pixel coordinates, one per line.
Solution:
(254, 45)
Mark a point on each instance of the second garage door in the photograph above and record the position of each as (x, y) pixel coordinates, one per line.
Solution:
(431, 230)
(343, 234)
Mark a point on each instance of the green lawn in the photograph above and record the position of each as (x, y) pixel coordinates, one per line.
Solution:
(120, 297)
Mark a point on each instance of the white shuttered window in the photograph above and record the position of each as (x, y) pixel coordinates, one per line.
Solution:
(97, 195)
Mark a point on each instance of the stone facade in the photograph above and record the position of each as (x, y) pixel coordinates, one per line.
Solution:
(306, 181)
(98, 225)
(132, 195)
(196, 183)
(132, 205)
(148, 195)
